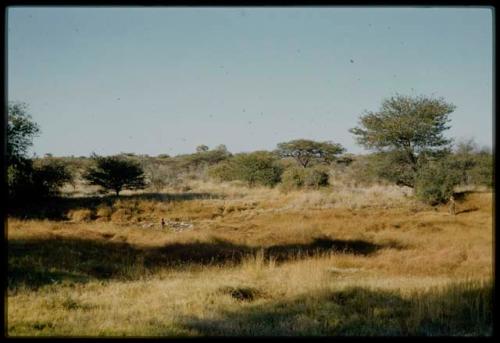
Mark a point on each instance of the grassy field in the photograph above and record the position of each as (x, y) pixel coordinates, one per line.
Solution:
(239, 261)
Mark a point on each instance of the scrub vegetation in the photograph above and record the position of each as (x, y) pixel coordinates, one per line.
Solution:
(304, 240)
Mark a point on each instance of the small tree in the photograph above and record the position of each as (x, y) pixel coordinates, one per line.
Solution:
(21, 130)
(409, 131)
(115, 173)
(27, 179)
(49, 175)
(305, 151)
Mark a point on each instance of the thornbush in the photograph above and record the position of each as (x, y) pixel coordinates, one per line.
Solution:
(316, 177)
(435, 182)
(36, 180)
(256, 168)
(482, 172)
(223, 171)
(298, 177)
(293, 178)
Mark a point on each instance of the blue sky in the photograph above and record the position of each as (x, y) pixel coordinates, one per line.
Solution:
(164, 80)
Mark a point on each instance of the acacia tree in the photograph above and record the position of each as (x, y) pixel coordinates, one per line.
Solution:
(407, 131)
(305, 151)
(115, 173)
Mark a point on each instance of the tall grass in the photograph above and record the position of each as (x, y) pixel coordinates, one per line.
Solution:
(256, 262)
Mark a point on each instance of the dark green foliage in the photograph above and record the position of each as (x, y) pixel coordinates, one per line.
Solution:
(436, 180)
(115, 173)
(412, 124)
(20, 180)
(409, 131)
(21, 130)
(482, 172)
(27, 180)
(306, 151)
(475, 165)
(393, 167)
(256, 168)
(49, 176)
(32, 181)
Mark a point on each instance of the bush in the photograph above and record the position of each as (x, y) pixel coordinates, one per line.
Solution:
(435, 182)
(203, 157)
(256, 168)
(20, 180)
(36, 180)
(160, 176)
(224, 171)
(482, 172)
(316, 177)
(293, 178)
(49, 176)
(297, 177)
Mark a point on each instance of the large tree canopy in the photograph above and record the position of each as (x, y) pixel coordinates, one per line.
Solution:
(305, 151)
(409, 129)
(115, 173)
(409, 123)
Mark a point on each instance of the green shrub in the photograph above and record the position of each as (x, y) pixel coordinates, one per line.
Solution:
(435, 182)
(256, 168)
(223, 171)
(36, 180)
(482, 172)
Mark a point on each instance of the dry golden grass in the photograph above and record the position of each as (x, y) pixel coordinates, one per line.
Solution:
(256, 262)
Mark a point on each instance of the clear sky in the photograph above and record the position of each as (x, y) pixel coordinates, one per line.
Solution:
(164, 80)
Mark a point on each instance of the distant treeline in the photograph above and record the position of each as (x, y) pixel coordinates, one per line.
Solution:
(405, 136)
